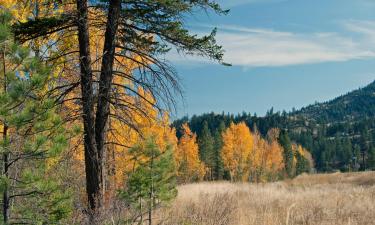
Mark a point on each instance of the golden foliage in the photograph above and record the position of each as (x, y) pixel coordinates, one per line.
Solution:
(248, 156)
(270, 155)
(150, 123)
(236, 151)
(189, 166)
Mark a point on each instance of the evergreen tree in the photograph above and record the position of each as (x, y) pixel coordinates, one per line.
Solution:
(364, 145)
(219, 166)
(302, 164)
(371, 159)
(32, 134)
(153, 181)
(356, 158)
(288, 153)
(206, 150)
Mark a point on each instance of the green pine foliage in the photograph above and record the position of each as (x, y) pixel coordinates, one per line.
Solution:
(152, 182)
(302, 164)
(218, 145)
(32, 134)
(206, 150)
(288, 153)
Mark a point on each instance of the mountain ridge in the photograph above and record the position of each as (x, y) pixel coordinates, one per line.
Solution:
(339, 133)
(353, 104)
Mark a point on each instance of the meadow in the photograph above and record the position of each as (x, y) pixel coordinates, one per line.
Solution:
(321, 199)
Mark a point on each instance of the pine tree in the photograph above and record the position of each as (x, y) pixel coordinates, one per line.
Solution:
(153, 181)
(288, 153)
(302, 164)
(206, 150)
(371, 158)
(219, 166)
(32, 134)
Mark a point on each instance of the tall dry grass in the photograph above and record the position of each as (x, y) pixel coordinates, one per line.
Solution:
(329, 199)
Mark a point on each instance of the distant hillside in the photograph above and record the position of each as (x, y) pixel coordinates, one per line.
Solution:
(339, 133)
(354, 105)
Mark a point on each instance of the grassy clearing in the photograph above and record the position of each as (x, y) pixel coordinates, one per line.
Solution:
(324, 199)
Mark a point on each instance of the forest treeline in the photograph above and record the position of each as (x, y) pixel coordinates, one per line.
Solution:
(236, 153)
(339, 134)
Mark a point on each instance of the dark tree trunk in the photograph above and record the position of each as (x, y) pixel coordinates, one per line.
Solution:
(151, 190)
(106, 74)
(95, 124)
(92, 161)
(5, 154)
(6, 175)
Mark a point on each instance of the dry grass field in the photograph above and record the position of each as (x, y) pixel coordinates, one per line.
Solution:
(324, 199)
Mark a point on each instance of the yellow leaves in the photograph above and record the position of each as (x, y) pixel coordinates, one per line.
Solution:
(189, 166)
(304, 153)
(274, 160)
(247, 156)
(24, 9)
(147, 122)
(19, 9)
(236, 151)
(188, 151)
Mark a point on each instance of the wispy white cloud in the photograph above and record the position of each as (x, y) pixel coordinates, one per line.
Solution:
(365, 28)
(256, 47)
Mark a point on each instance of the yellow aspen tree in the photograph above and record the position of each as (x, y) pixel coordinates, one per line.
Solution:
(266, 159)
(236, 151)
(189, 166)
(274, 162)
(256, 162)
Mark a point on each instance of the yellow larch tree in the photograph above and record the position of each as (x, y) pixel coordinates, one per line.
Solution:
(258, 157)
(148, 122)
(272, 156)
(151, 123)
(267, 162)
(189, 166)
(236, 151)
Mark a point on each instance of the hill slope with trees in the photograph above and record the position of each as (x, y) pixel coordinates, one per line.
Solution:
(339, 133)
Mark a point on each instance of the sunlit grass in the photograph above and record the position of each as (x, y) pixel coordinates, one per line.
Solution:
(323, 199)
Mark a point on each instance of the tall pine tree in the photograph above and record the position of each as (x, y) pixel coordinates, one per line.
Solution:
(206, 150)
(218, 161)
(288, 153)
(152, 182)
(32, 134)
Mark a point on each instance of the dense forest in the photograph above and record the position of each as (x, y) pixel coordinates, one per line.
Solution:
(339, 133)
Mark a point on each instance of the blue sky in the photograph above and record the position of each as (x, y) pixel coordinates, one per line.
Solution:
(285, 54)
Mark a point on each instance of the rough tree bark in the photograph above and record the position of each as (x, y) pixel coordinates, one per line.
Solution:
(92, 162)
(106, 76)
(6, 200)
(95, 123)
